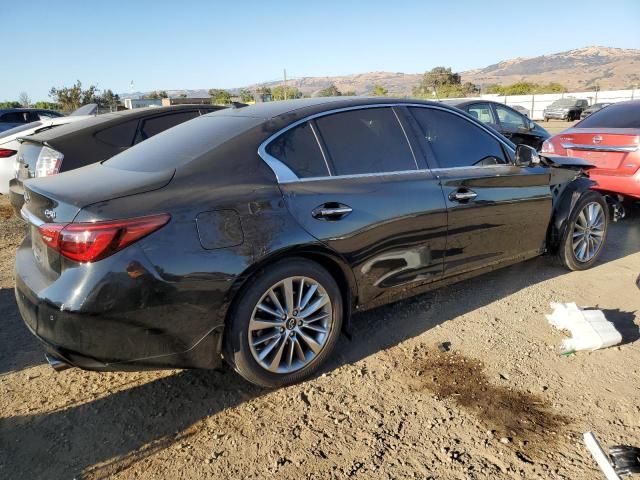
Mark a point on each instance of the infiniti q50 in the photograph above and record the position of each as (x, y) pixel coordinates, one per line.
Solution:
(252, 234)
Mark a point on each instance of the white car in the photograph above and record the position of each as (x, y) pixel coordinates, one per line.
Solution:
(9, 143)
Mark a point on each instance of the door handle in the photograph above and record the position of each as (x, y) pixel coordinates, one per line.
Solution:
(331, 211)
(462, 195)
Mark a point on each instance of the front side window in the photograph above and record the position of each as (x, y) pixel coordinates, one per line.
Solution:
(15, 117)
(455, 141)
(365, 141)
(510, 119)
(298, 149)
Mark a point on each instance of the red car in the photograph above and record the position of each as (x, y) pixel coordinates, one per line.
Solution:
(610, 140)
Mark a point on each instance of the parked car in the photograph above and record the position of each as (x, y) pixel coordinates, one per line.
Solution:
(512, 124)
(610, 140)
(521, 109)
(79, 144)
(568, 109)
(256, 232)
(593, 108)
(9, 143)
(13, 117)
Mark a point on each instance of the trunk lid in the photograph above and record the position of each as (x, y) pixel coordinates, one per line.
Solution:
(606, 149)
(59, 198)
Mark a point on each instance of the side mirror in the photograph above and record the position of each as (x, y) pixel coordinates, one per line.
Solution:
(531, 124)
(526, 156)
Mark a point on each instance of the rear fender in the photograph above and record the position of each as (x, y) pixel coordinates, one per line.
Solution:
(565, 197)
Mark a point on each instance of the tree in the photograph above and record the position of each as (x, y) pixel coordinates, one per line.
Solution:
(219, 96)
(435, 79)
(330, 91)
(24, 99)
(109, 99)
(163, 94)
(246, 96)
(13, 104)
(73, 97)
(152, 95)
(349, 93)
(280, 93)
(525, 88)
(379, 91)
(47, 105)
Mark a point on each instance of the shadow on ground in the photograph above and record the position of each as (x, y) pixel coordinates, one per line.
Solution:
(152, 416)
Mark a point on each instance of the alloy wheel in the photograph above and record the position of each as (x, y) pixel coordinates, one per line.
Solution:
(588, 232)
(290, 325)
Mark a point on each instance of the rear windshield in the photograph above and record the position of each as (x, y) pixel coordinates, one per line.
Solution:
(182, 144)
(621, 115)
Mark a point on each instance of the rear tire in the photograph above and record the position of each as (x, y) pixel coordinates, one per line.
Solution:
(586, 232)
(270, 350)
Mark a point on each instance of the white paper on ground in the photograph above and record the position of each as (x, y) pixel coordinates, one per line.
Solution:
(590, 330)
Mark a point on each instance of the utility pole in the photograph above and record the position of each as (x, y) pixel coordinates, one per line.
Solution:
(285, 83)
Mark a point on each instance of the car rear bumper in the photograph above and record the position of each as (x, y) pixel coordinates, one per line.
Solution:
(16, 195)
(94, 337)
(628, 185)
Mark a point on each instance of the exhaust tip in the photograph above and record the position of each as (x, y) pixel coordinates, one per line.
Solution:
(57, 364)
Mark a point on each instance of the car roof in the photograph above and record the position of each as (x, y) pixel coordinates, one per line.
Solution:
(98, 122)
(308, 106)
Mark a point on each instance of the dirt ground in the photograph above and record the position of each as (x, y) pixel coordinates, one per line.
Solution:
(502, 403)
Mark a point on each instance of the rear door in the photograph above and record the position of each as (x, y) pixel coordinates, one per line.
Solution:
(358, 187)
(497, 212)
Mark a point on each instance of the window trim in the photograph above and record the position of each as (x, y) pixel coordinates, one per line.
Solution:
(285, 175)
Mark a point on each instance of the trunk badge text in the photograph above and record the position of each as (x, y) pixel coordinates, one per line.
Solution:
(50, 214)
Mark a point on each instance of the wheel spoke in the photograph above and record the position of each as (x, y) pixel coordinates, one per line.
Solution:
(308, 295)
(276, 302)
(300, 292)
(582, 219)
(269, 347)
(258, 324)
(315, 328)
(288, 294)
(299, 350)
(322, 316)
(583, 247)
(267, 309)
(313, 345)
(275, 363)
(292, 349)
(315, 306)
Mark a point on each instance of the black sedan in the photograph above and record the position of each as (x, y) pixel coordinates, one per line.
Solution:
(592, 109)
(93, 140)
(252, 234)
(506, 120)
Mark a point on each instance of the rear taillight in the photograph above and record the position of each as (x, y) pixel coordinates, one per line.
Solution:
(547, 147)
(7, 152)
(90, 242)
(48, 163)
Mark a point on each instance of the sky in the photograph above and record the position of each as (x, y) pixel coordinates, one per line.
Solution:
(225, 44)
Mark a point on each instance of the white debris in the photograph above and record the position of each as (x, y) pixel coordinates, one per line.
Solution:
(590, 330)
(599, 456)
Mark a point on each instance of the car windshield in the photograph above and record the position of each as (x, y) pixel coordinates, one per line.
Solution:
(564, 102)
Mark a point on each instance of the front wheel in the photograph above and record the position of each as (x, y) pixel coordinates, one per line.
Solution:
(586, 232)
(285, 323)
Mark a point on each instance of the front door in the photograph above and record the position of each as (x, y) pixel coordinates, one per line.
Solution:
(497, 212)
(362, 192)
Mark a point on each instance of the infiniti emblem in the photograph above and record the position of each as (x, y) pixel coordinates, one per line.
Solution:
(596, 139)
(50, 214)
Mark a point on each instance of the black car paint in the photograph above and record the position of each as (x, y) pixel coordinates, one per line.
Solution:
(81, 144)
(147, 306)
(534, 137)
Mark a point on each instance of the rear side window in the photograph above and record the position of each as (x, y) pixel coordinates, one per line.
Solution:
(120, 135)
(509, 118)
(298, 149)
(482, 112)
(457, 142)
(370, 140)
(620, 115)
(152, 126)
